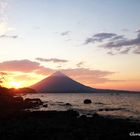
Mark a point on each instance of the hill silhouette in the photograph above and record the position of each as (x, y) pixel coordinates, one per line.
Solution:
(58, 82)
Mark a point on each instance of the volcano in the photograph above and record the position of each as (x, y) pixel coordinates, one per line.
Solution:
(61, 83)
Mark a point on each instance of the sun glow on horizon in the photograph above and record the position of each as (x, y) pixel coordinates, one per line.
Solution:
(15, 84)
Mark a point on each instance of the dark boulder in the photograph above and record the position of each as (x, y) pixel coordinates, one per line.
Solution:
(72, 113)
(87, 101)
(32, 102)
(18, 99)
(45, 105)
(68, 104)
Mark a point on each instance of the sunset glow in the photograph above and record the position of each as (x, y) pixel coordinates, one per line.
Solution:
(94, 42)
(15, 85)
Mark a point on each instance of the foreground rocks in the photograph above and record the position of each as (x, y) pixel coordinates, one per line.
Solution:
(9, 101)
(59, 125)
(15, 123)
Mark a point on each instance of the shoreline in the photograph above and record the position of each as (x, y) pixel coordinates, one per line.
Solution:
(68, 125)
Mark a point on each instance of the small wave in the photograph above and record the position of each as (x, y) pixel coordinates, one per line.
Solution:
(111, 109)
(99, 103)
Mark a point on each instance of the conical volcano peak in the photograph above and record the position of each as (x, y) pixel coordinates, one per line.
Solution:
(58, 74)
(58, 82)
(61, 83)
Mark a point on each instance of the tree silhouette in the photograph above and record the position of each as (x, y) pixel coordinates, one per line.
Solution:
(2, 78)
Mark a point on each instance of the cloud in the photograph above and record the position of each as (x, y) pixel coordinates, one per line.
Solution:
(54, 60)
(65, 33)
(99, 37)
(25, 66)
(83, 75)
(116, 44)
(19, 65)
(137, 50)
(9, 36)
(123, 42)
(89, 76)
(80, 64)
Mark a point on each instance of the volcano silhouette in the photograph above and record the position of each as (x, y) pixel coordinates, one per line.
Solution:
(60, 83)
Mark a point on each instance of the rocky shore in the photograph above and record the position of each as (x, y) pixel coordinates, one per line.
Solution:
(17, 123)
(68, 125)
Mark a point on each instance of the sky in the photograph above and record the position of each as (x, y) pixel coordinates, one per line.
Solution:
(96, 42)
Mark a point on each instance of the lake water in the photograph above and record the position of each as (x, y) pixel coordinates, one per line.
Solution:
(117, 105)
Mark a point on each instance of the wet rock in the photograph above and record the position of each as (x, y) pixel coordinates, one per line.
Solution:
(87, 101)
(83, 116)
(18, 99)
(95, 115)
(32, 102)
(68, 104)
(100, 109)
(72, 113)
(45, 105)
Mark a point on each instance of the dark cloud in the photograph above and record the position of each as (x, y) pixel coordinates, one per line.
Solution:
(99, 37)
(59, 66)
(117, 44)
(120, 44)
(124, 42)
(9, 36)
(65, 33)
(80, 64)
(125, 51)
(102, 36)
(137, 50)
(118, 38)
(138, 31)
(110, 53)
(54, 60)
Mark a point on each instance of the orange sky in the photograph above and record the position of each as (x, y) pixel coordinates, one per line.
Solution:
(93, 78)
(92, 41)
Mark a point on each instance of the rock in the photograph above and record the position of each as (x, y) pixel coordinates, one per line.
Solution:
(87, 101)
(83, 117)
(18, 99)
(95, 115)
(32, 102)
(100, 109)
(72, 113)
(68, 104)
(45, 105)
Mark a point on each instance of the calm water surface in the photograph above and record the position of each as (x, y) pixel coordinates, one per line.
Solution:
(118, 105)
